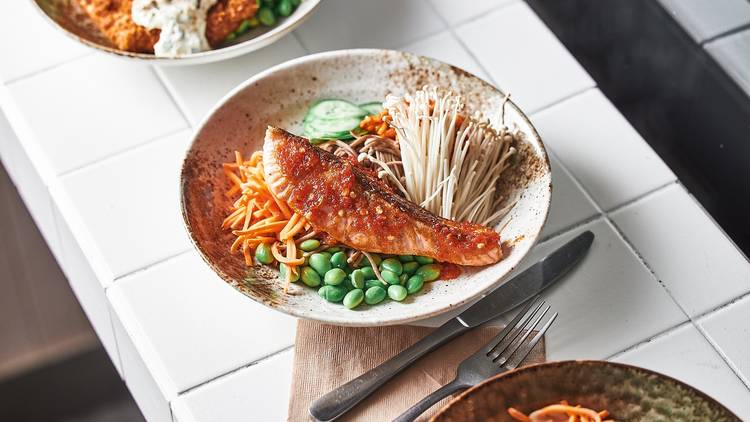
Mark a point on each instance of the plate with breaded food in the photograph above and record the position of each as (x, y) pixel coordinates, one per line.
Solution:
(365, 187)
(176, 31)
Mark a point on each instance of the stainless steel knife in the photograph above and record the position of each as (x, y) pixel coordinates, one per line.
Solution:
(506, 297)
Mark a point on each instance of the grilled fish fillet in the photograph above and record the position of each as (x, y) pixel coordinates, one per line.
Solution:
(354, 207)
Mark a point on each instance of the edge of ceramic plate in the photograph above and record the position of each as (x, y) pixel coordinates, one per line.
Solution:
(345, 322)
(209, 56)
(581, 362)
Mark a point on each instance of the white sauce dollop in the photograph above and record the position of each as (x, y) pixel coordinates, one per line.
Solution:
(182, 24)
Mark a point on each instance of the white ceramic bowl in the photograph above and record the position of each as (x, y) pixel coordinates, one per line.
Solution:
(65, 16)
(279, 97)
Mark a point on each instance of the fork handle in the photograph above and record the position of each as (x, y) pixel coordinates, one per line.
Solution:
(421, 406)
(339, 401)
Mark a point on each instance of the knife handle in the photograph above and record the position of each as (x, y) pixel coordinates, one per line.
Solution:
(339, 401)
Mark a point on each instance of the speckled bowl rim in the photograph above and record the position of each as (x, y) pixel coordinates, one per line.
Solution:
(581, 363)
(208, 56)
(353, 322)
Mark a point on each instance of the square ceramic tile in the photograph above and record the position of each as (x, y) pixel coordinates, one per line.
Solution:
(570, 205)
(732, 54)
(134, 215)
(340, 24)
(87, 288)
(445, 47)
(686, 355)
(600, 148)
(728, 328)
(524, 57)
(216, 79)
(181, 305)
(687, 251)
(706, 19)
(260, 391)
(139, 377)
(608, 302)
(117, 105)
(40, 46)
(456, 12)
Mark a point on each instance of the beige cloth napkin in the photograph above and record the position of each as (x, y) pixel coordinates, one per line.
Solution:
(326, 356)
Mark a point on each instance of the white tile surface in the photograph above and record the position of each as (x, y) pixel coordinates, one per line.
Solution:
(728, 328)
(130, 204)
(685, 355)
(380, 24)
(732, 54)
(445, 47)
(701, 267)
(83, 111)
(87, 288)
(197, 326)
(259, 392)
(524, 57)
(456, 12)
(610, 296)
(40, 45)
(600, 148)
(217, 79)
(570, 205)
(139, 377)
(705, 19)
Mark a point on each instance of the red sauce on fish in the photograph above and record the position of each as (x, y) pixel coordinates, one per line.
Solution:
(449, 271)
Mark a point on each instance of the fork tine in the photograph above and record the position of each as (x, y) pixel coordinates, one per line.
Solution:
(519, 340)
(521, 355)
(517, 330)
(501, 335)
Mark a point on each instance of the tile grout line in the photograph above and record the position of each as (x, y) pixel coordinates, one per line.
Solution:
(642, 197)
(126, 150)
(690, 319)
(724, 34)
(46, 69)
(152, 264)
(172, 95)
(657, 336)
(232, 371)
(297, 37)
(114, 333)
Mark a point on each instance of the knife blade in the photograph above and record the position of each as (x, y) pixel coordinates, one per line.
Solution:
(516, 291)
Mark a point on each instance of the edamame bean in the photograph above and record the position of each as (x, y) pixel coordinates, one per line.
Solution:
(244, 27)
(389, 276)
(393, 265)
(266, 16)
(320, 262)
(333, 294)
(375, 258)
(284, 8)
(358, 279)
(296, 3)
(429, 272)
(310, 277)
(402, 279)
(374, 295)
(333, 249)
(414, 284)
(309, 245)
(411, 267)
(354, 298)
(254, 22)
(334, 277)
(397, 293)
(283, 269)
(263, 254)
(338, 260)
(424, 260)
(369, 273)
(373, 283)
(406, 258)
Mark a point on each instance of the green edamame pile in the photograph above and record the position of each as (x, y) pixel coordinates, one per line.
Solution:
(337, 281)
(268, 13)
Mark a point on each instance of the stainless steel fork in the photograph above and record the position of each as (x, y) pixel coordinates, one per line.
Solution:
(501, 354)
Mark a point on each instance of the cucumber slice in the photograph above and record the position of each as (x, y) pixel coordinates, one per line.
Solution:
(331, 128)
(334, 109)
(372, 108)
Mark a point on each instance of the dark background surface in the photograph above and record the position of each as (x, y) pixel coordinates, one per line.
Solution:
(684, 105)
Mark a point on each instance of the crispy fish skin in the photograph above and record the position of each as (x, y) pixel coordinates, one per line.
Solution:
(346, 201)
